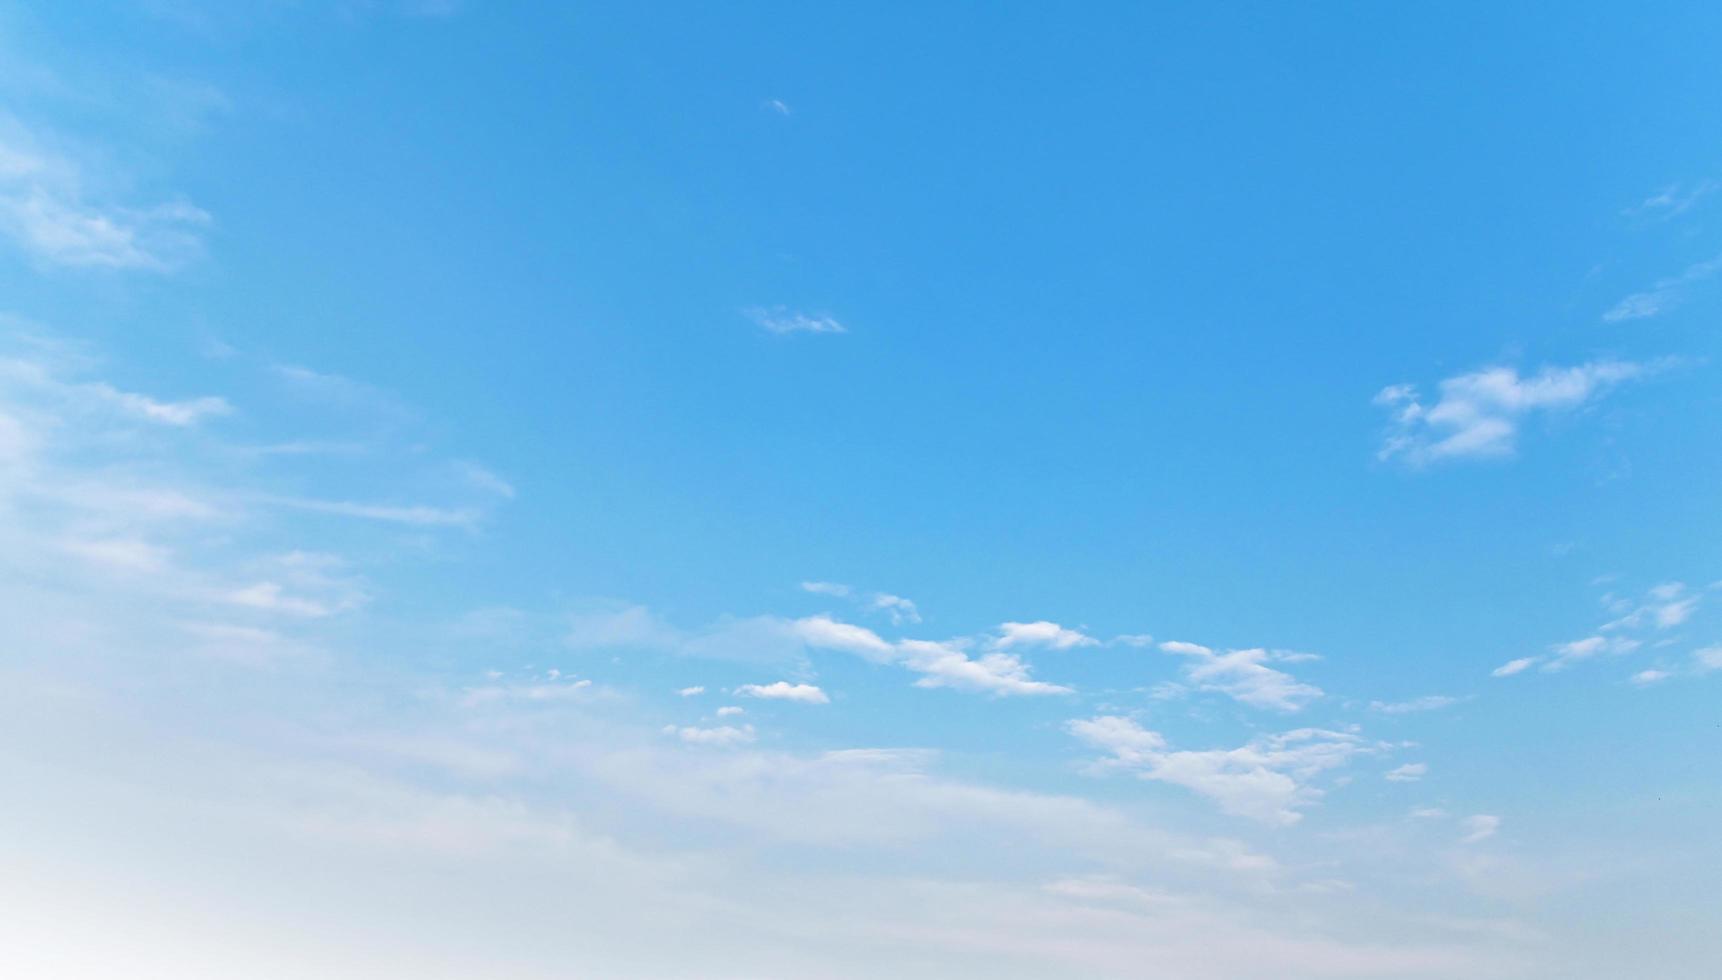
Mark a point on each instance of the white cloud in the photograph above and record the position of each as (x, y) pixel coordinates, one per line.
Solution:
(1478, 414)
(780, 321)
(1479, 827)
(1512, 667)
(1266, 779)
(1664, 607)
(784, 691)
(1672, 200)
(1041, 633)
(1244, 676)
(778, 106)
(826, 633)
(168, 413)
(723, 735)
(1567, 654)
(900, 610)
(730, 710)
(1408, 773)
(1430, 702)
(417, 515)
(1708, 658)
(945, 665)
(1646, 677)
(47, 211)
(688, 692)
(1664, 295)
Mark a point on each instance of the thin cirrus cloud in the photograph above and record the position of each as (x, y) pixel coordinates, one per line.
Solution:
(1268, 779)
(962, 663)
(48, 214)
(1244, 675)
(1664, 294)
(899, 609)
(781, 321)
(1636, 622)
(1478, 414)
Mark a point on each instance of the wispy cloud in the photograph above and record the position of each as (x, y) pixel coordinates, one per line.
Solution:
(1430, 702)
(900, 610)
(779, 320)
(779, 106)
(1664, 294)
(1478, 414)
(1244, 675)
(47, 213)
(1268, 779)
(1674, 199)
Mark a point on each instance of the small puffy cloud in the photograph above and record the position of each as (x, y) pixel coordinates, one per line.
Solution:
(1512, 667)
(1479, 827)
(1408, 773)
(1477, 415)
(1645, 678)
(1430, 702)
(784, 691)
(688, 692)
(1041, 633)
(1244, 676)
(782, 322)
(1267, 779)
(730, 710)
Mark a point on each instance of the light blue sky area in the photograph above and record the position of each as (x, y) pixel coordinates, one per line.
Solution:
(799, 490)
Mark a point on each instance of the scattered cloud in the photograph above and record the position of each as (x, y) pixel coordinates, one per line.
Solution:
(688, 692)
(1645, 678)
(784, 691)
(730, 710)
(779, 106)
(1244, 676)
(1478, 414)
(780, 321)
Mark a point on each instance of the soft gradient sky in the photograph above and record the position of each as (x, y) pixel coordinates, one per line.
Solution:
(791, 490)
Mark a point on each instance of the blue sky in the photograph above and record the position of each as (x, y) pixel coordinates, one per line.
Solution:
(664, 491)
